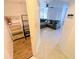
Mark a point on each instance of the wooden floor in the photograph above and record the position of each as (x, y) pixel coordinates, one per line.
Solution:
(22, 48)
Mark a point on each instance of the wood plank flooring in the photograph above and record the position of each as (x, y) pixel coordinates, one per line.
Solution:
(22, 48)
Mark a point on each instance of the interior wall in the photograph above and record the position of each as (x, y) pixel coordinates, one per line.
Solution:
(15, 9)
(68, 34)
(8, 43)
(34, 23)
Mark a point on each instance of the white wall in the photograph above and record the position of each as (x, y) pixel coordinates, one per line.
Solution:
(14, 9)
(8, 43)
(34, 23)
(68, 35)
